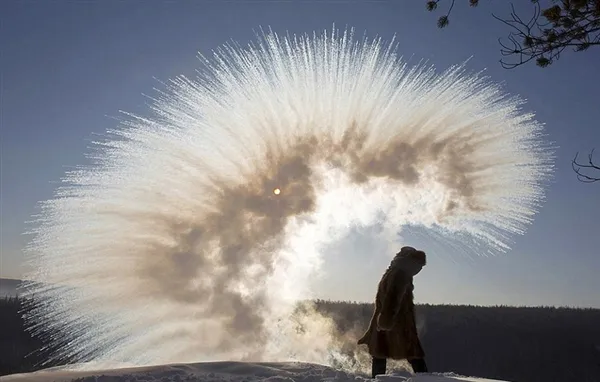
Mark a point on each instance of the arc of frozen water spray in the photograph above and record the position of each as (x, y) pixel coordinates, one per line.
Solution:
(196, 230)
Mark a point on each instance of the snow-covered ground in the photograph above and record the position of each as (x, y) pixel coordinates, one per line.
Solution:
(223, 372)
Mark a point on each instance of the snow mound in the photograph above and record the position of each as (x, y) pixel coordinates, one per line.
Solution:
(223, 372)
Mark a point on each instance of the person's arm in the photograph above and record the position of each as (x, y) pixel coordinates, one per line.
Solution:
(391, 300)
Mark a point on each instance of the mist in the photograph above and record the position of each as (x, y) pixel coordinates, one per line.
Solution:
(194, 234)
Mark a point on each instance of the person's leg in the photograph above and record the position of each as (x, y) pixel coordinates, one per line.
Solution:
(418, 365)
(378, 366)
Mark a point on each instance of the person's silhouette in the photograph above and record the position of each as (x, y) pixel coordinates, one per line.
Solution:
(392, 332)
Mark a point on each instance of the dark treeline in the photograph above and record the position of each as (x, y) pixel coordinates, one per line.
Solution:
(514, 344)
(519, 344)
(19, 351)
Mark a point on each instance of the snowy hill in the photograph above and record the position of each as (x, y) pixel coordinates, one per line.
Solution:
(222, 372)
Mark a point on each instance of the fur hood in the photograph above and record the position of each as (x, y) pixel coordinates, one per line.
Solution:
(409, 260)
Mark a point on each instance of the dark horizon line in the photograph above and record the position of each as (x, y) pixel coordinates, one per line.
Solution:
(418, 303)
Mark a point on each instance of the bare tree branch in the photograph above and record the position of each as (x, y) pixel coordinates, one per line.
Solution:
(589, 167)
(546, 34)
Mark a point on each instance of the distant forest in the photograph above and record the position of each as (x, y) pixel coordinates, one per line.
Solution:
(515, 344)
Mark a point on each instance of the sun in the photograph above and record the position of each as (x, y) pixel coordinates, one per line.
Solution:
(277, 191)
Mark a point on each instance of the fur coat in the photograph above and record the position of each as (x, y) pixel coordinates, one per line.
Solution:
(392, 332)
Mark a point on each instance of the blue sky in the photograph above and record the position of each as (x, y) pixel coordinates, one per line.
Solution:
(67, 67)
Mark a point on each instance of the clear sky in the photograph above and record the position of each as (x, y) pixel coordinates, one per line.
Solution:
(68, 67)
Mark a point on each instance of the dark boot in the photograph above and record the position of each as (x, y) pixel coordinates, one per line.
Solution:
(418, 365)
(378, 366)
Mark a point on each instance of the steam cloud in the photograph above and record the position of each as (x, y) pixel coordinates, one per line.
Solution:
(175, 246)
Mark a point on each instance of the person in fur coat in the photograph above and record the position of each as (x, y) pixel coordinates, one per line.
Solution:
(392, 332)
